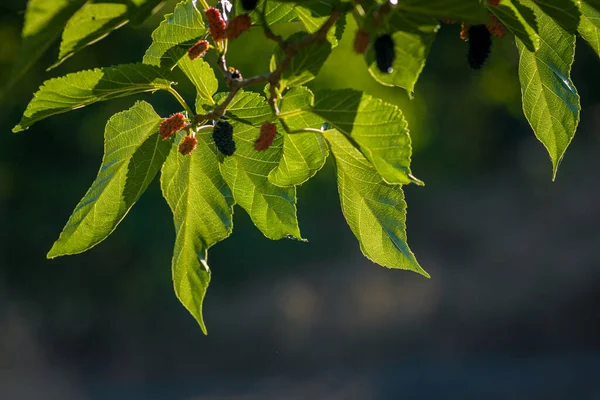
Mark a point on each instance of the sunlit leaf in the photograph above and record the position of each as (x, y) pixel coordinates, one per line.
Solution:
(133, 155)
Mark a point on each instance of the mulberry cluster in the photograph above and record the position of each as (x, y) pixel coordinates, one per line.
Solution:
(171, 125)
(219, 29)
(237, 26)
(223, 137)
(268, 130)
(198, 50)
(188, 145)
(361, 41)
(249, 4)
(385, 54)
(480, 46)
(216, 24)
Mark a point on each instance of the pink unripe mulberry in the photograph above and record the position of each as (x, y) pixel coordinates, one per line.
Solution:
(171, 125)
(216, 24)
(237, 26)
(198, 50)
(268, 130)
(188, 145)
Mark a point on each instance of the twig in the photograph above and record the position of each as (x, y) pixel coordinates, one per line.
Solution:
(274, 77)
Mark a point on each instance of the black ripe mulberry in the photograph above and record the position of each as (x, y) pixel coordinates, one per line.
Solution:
(249, 4)
(480, 46)
(223, 137)
(385, 54)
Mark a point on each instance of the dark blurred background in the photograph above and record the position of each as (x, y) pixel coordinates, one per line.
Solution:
(511, 310)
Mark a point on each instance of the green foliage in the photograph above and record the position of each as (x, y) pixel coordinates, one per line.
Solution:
(368, 139)
(133, 155)
(550, 100)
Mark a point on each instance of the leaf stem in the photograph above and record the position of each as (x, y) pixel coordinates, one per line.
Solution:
(204, 4)
(181, 101)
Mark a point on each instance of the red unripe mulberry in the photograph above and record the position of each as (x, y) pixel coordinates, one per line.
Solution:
(198, 50)
(171, 125)
(268, 130)
(464, 31)
(493, 3)
(187, 145)
(216, 24)
(237, 26)
(361, 41)
(496, 28)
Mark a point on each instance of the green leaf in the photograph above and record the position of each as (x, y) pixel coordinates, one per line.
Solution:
(174, 35)
(271, 208)
(463, 10)
(276, 12)
(306, 64)
(413, 36)
(133, 155)
(295, 109)
(589, 27)
(79, 89)
(95, 21)
(565, 12)
(520, 20)
(378, 128)
(44, 21)
(374, 210)
(304, 154)
(202, 207)
(312, 24)
(203, 77)
(249, 108)
(550, 100)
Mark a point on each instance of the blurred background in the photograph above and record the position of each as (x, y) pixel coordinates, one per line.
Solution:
(510, 311)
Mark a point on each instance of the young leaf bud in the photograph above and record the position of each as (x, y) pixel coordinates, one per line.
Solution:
(188, 145)
(480, 46)
(216, 24)
(361, 41)
(237, 26)
(268, 130)
(171, 125)
(385, 54)
(198, 50)
(249, 4)
(223, 137)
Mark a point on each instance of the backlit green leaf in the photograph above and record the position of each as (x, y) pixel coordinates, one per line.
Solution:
(374, 210)
(462, 10)
(589, 27)
(44, 21)
(133, 155)
(202, 207)
(306, 64)
(564, 12)
(304, 154)
(175, 35)
(82, 88)
(378, 128)
(520, 20)
(203, 77)
(550, 100)
(271, 208)
(413, 36)
(94, 21)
